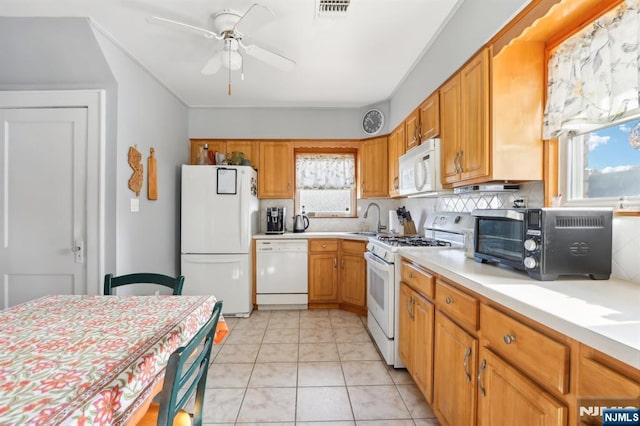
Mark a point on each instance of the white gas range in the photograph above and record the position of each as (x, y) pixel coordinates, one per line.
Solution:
(441, 231)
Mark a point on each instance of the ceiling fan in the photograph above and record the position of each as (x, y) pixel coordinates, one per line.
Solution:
(225, 28)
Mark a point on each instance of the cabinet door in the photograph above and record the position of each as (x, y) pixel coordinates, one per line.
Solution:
(323, 278)
(505, 397)
(423, 346)
(393, 179)
(373, 168)
(430, 117)
(353, 271)
(275, 173)
(212, 145)
(249, 148)
(406, 326)
(412, 129)
(474, 86)
(450, 129)
(455, 372)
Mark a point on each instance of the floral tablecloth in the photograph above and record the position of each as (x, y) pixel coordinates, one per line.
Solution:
(77, 360)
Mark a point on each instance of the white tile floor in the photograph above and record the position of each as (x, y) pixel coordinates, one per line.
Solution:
(315, 367)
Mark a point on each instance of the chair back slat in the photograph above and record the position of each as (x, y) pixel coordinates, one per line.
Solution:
(177, 377)
(111, 282)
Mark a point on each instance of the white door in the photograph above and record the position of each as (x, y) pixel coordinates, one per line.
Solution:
(43, 186)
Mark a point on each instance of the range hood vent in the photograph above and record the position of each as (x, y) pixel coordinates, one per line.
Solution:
(332, 8)
(470, 189)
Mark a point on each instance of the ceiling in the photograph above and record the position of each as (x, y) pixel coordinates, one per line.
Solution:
(348, 61)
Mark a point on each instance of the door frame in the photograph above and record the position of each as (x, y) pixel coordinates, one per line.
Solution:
(94, 102)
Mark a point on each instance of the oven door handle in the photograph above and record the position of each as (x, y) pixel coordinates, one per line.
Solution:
(377, 263)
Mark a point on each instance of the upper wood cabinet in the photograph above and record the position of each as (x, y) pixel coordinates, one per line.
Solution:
(430, 117)
(275, 170)
(248, 147)
(464, 102)
(450, 129)
(412, 129)
(213, 145)
(373, 168)
(396, 149)
(484, 137)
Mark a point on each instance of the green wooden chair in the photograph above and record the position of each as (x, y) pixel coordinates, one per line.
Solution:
(186, 373)
(111, 282)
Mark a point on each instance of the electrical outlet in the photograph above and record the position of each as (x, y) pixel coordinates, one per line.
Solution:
(135, 205)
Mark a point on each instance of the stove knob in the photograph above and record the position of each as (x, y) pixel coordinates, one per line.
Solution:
(530, 262)
(530, 245)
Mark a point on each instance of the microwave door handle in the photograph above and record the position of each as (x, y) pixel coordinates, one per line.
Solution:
(420, 168)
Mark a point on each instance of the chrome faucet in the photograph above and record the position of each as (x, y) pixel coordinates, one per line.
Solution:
(379, 226)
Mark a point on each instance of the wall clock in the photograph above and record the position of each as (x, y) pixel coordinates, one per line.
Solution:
(372, 121)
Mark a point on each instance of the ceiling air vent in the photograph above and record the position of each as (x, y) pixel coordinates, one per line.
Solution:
(332, 7)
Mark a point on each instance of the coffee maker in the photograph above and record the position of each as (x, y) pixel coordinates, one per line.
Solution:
(275, 220)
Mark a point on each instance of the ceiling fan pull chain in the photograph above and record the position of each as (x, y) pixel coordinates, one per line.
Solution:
(229, 89)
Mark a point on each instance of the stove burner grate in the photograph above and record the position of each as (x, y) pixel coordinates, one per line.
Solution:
(412, 241)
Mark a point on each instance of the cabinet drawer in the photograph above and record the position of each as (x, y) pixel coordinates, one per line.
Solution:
(459, 305)
(354, 246)
(421, 281)
(598, 380)
(323, 245)
(537, 355)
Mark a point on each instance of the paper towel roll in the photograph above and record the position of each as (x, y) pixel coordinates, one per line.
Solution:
(394, 223)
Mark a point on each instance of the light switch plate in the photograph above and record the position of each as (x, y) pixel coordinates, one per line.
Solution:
(135, 205)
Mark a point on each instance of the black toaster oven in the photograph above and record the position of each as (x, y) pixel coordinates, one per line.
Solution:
(546, 242)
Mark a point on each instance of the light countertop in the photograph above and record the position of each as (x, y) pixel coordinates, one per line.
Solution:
(603, 314)
(307, 235)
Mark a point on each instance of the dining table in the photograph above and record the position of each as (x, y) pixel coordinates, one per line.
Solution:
(90, 360)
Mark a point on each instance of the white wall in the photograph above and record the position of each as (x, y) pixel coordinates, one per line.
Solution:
(148, 116)
(474, 23)
(279, 123)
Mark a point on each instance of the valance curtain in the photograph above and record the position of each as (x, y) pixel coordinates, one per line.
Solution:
(317, 171)
(593, 77)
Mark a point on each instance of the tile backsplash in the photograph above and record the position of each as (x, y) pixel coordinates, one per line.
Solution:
(626, 230)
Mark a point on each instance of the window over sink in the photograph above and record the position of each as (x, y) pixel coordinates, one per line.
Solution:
(326, 184)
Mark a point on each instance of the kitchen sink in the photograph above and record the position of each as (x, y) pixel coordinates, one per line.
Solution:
(365, 233)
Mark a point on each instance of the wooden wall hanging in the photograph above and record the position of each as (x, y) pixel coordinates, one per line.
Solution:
(135, 181)
(152, 177)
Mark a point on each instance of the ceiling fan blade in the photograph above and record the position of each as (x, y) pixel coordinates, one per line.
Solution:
(213, 65)
(186, 27)
(254, 6)
(272, 58)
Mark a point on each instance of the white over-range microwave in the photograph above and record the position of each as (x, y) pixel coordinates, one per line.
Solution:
(419, 170)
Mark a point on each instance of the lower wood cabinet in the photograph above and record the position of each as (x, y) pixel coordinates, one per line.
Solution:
(506, 397)
(455, 373)
(416, 338)
(323, 271)
(337, 274)
(353, 276)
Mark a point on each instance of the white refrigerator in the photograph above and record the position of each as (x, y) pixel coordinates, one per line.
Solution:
(219, 215)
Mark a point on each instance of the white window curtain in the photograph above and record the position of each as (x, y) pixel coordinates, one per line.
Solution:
(317, 171)
(593, 77)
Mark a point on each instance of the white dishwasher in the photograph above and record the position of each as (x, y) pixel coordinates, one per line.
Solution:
(281, 274)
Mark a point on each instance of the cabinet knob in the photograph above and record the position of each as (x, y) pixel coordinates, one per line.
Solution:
(411, 275)
(509, 339)
(324, 246)
(448, 300)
